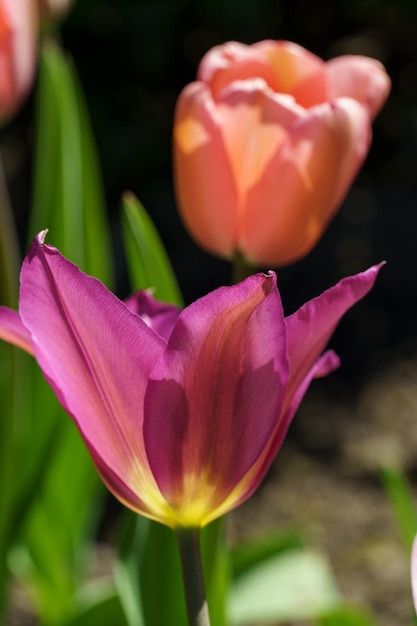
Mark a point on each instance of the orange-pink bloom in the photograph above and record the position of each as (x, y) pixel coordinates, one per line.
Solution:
(266, 144)
(18, 52)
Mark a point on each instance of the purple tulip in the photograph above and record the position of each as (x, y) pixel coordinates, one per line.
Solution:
(184, 420)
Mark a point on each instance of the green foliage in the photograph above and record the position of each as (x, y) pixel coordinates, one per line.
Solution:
(295, 584)
(147, 260)
(67, 191)
(402, 502)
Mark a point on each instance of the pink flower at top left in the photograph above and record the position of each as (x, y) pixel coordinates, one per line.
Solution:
(18, 53)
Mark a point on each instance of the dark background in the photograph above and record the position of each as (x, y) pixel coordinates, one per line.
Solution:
(134, 57)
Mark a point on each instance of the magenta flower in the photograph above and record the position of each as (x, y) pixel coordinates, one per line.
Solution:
(182, 429)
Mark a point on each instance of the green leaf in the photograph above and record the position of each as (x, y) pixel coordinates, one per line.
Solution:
(133, 534)
(158, 573)
(149, 578)
(67, 190)
(346, 616)
(250, 553)
(402, 502)
(98, 603)
(297, 584)
(148, 263)
(217, 569)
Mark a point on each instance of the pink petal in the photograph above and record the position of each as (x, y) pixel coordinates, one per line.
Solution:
(97, 356)
(18, 52)
(215, 394)
(206, 190)
(310, 328)
(285, 67)
(308, 332)
(361, 78)
(255, 122)
(304, 183)
(159, 316)
(13, 331)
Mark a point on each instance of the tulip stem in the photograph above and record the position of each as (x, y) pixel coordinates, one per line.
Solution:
(192, 573)
(241, 270)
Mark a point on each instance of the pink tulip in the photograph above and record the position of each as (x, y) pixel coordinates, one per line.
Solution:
(266, 144)
(183, 429)
(18, 53)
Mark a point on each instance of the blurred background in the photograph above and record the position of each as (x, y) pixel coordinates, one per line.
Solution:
(133, 58)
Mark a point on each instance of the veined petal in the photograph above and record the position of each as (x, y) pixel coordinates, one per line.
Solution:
(308, 332)
(202, 172)
(361, 78)
(13, 330)
(97, 356)
(304, 183)
(160, 316)
(310, 328)
(214, 396)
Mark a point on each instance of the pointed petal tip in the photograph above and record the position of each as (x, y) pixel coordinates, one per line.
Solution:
(40, 237)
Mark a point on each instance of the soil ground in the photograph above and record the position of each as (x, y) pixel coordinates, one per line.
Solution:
(326, 482)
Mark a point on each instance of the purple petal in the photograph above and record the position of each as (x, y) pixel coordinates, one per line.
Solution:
(97, 356)
(308, 332)
(310, 328)
(159, 316)
(13, 331)
(214, 396)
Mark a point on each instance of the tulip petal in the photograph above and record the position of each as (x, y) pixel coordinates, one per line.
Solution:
(97, 356)
(361, 78)
(13, 331)
(310, 328)
(214, 396)
(308, 332)
(159, 316)
(203, 176)
(285, 67)
(304, 182)
(18, 53)
(255, 123)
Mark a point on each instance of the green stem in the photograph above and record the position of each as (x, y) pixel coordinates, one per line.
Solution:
(241, 270)
(192, 573)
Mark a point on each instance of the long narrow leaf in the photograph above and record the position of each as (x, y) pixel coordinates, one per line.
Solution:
(67, 192)
(401, 498)
(148, 263)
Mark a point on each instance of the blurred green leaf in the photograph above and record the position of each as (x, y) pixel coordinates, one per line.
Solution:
(158, 572)
(98, 603)
(67, 192)
(401, 498)
(250, 553)
(296, 584)
(346, 616)
(147, 260)
(54, 551)
(217, 569)
(58, 491)
(149, 578)
(133, 534)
